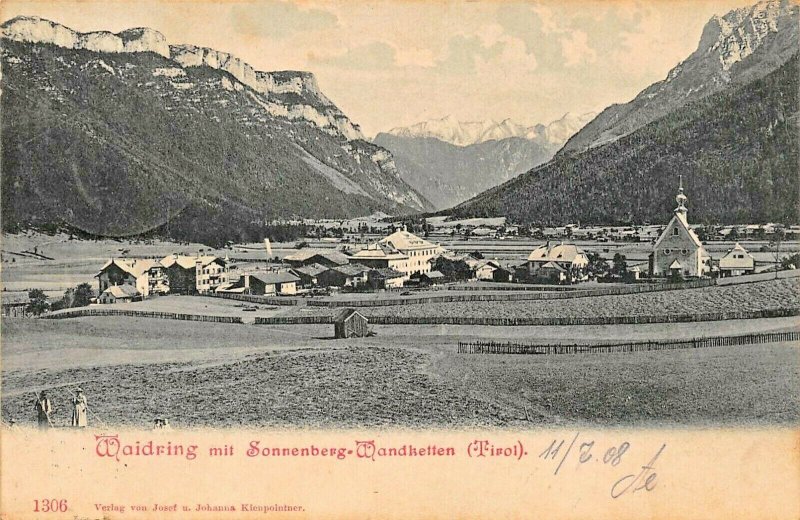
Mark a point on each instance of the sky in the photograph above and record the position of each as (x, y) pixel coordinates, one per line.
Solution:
(394, 63)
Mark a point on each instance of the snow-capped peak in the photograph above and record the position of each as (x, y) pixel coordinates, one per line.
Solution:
(465, 133)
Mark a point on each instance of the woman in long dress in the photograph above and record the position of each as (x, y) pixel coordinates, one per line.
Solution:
(43, 410)
(79, 409)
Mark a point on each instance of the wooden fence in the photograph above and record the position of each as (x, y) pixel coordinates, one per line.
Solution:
(640, 287)
(582, 320)
(252, 298)
(514, 296)
(141, 314)
(638, 346)
(294, 320)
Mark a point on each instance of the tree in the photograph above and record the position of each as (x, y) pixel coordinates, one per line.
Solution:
(452, 269)
(83, 295)
(776, 239)
(38, 303)
(620, 265)
(597, 267)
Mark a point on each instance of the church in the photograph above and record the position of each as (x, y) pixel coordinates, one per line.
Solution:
(678, 253)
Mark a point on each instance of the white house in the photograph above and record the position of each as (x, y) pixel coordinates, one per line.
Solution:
(736, 262)
(560, 262)
(144, 275)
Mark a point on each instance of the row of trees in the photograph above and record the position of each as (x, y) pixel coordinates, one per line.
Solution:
(79, 296)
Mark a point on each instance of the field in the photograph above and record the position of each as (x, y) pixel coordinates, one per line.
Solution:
(209, 374)
(769, 294)
(202, 374)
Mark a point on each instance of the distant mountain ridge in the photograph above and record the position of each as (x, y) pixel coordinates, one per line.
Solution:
(122, 134)
(743, 45)
(451, 161)
(466, 133)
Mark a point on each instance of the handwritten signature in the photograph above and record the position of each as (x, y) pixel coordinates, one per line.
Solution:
(586, 451)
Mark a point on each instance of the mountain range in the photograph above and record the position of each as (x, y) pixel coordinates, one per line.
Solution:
(466, 133)
(450, 161)
(726, 119)
(123, 134)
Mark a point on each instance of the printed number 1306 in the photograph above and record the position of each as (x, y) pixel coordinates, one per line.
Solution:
(50, 505)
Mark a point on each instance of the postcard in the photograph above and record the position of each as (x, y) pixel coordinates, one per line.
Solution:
(400, 259)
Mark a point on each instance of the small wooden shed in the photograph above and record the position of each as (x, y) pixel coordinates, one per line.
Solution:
(349, 323)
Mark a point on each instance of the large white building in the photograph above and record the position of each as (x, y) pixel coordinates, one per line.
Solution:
(381, 256)
(420, 252)
(678, 252)
(560, 262)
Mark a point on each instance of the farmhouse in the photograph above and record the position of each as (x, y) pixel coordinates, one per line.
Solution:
(559, 263)
(284, 283)
(192, 274)
(350, 275)
(419, 251)
(385, 278)
(484, 269)
(678, 252)
(349, 323)
(382, 256)
(431, 278)
(326, 257)
(118, 294)
(736, 262)
(308, 274)
(145, 276)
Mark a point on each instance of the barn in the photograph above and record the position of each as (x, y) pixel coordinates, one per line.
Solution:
(349, 323)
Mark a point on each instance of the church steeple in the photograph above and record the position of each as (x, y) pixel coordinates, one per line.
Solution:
(681, 199)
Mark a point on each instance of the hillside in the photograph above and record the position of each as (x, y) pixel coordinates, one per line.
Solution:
(737, 151)
(106, 134)
(448, 174)
(734, 49)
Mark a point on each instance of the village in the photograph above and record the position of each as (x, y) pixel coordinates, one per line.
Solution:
(403, 260)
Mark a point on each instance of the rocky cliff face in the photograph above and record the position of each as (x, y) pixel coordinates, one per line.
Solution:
(741, 46)
(121, 143)
(308, 102)
(33, 29)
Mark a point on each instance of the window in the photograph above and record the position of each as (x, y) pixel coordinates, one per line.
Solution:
(667, 251)
(674, 231)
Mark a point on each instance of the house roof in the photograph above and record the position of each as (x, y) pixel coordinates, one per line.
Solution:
(272, 278)
(403, 240)
(122, 291)
(387, 272)
(305, 254)
(344, 314)
(433, 274)
(351, 269)
(737, 248)
(557, 253)
(189, 262)
(378, 251)
(311, 270)
(553, 265)
(133, 266)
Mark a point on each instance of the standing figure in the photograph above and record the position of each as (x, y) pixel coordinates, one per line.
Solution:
(43, 409)
(79, 409)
